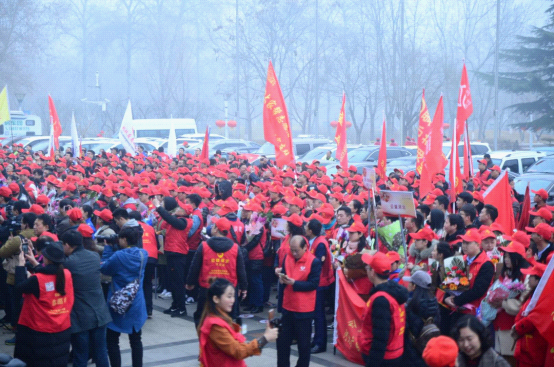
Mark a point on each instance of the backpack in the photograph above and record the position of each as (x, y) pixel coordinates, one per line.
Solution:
(242, 251)
(428, 331)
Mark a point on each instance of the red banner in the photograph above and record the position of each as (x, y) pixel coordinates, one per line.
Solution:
(524, 215)
(349, 309)
(340, 138)
(465, 105)
(539, 310)
(499, 194)
(55, 123)
(276, 121)
(382, 160)
(205, 154)
(434, 161)
(423, 134)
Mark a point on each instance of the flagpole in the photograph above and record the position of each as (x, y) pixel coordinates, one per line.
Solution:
(403, 241)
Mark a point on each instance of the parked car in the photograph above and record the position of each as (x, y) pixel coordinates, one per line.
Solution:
(366, 154)
(301, 146)
(42, 142)
(477, 148)
(320, 152)
(536, 181)
(96, 144)
(543, 165)
(148, 144)
(199, 136)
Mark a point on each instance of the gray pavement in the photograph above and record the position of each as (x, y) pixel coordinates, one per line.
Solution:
(173, 342)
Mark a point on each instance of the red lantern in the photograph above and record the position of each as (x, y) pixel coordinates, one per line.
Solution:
(348, 124)
(232, 123)
(334, 124)
(220, 123)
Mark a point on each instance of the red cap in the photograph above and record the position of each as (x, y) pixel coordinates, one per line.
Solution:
(378, 262)
(483, 161)
(295, 201)
(424, 233)
(294, 219)
(543, 213)
(440, 351)
(497, 227)
(105, 215)
(14, 187)
(479, 197)
(521, 237)
(486, 232)
(538, 269)
(279, 209)
(223, 224)
(75, 214)
(542, 193)
(514, 247)
(228, 207)
(85, 230)
(356, 227)
(37, 209)
(252, 206)
(495, 168)
(393, 256)
(42, 199)
(5, 191)
(353, 169)
(472, 235)
(542, 229)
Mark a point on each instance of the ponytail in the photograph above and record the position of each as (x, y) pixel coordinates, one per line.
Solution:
(60, 280)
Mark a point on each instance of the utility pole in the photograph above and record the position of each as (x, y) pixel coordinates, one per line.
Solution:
(316, 107)
(497, 42)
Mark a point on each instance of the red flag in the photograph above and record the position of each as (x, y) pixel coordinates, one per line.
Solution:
(423, 134)
(499, 194)
(382, 160)
(434, 160)
(340, 138)
(465, 106)
(55, 123)
(525, 208)
(276, 121)
(455, 174)
(539, 310)
(349, 317)
(205, 154)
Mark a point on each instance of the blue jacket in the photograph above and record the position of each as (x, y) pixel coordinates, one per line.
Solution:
(123, 266)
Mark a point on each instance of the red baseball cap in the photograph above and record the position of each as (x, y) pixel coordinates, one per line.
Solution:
(483, 161)
(356, 227)
(37, 209)
(519, 236)
(424, 233)
(279, 209)
(42, 199)
(542, 229)
(378, 262)
(85, 230)
(472, 235)
(393, 256)
(75, 214)
(106, 215)
(223, 224)
(5, 191)
(294, 219)
(495, 168)
(252, 206)
(538, 269)
(228, 207)
(486, 232)
(542, 193)
(440, 351)
(514, 247)
(543, 213)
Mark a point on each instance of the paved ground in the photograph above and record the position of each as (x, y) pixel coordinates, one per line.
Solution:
(173, 342)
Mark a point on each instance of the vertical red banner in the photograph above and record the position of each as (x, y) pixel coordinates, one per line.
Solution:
(340, 138)
(423, 134)
(55, 123)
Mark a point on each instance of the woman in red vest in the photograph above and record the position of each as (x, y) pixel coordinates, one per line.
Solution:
(221, 343)
(43, 333)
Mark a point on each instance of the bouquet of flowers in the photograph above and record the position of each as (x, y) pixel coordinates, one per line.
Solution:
(499, 291)
(455, 276)
(494, 255)
(255, 226)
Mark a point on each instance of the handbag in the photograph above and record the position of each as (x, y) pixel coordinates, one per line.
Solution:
(121, 300)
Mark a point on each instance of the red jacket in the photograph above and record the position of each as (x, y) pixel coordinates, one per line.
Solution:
(176, 240)
(531, 347)
(149, 242)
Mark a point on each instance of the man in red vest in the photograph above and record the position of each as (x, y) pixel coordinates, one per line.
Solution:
(319, 247)
(299, 274)
(480, 271)
(381, 340)
(219, 257)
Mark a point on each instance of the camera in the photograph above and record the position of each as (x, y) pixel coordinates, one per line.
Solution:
(14, 224)
(275, 322)
(25, 248)
(111, 239)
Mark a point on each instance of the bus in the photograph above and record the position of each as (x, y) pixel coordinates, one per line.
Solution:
(21, 124)
(159, 128)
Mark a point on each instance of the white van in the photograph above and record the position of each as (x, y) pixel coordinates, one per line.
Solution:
(159, 128)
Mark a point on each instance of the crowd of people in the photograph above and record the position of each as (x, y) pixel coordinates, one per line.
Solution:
(82, 237)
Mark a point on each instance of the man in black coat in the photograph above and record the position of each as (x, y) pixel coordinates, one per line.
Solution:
(90, 314)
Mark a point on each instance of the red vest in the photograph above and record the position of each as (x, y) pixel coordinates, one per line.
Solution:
(472, 274)
(327, 273)
(176, 240)
(218, 265)
(483, 176)
(238, 228)
(283, 250)
(395, 344)
(196, 238)
(257, 253)
(149, 240)
(210, 355)
(50, 313)
(299, 270)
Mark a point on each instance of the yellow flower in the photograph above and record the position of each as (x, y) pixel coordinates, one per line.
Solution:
(453, 287)
(494, 261)
(464, 281)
